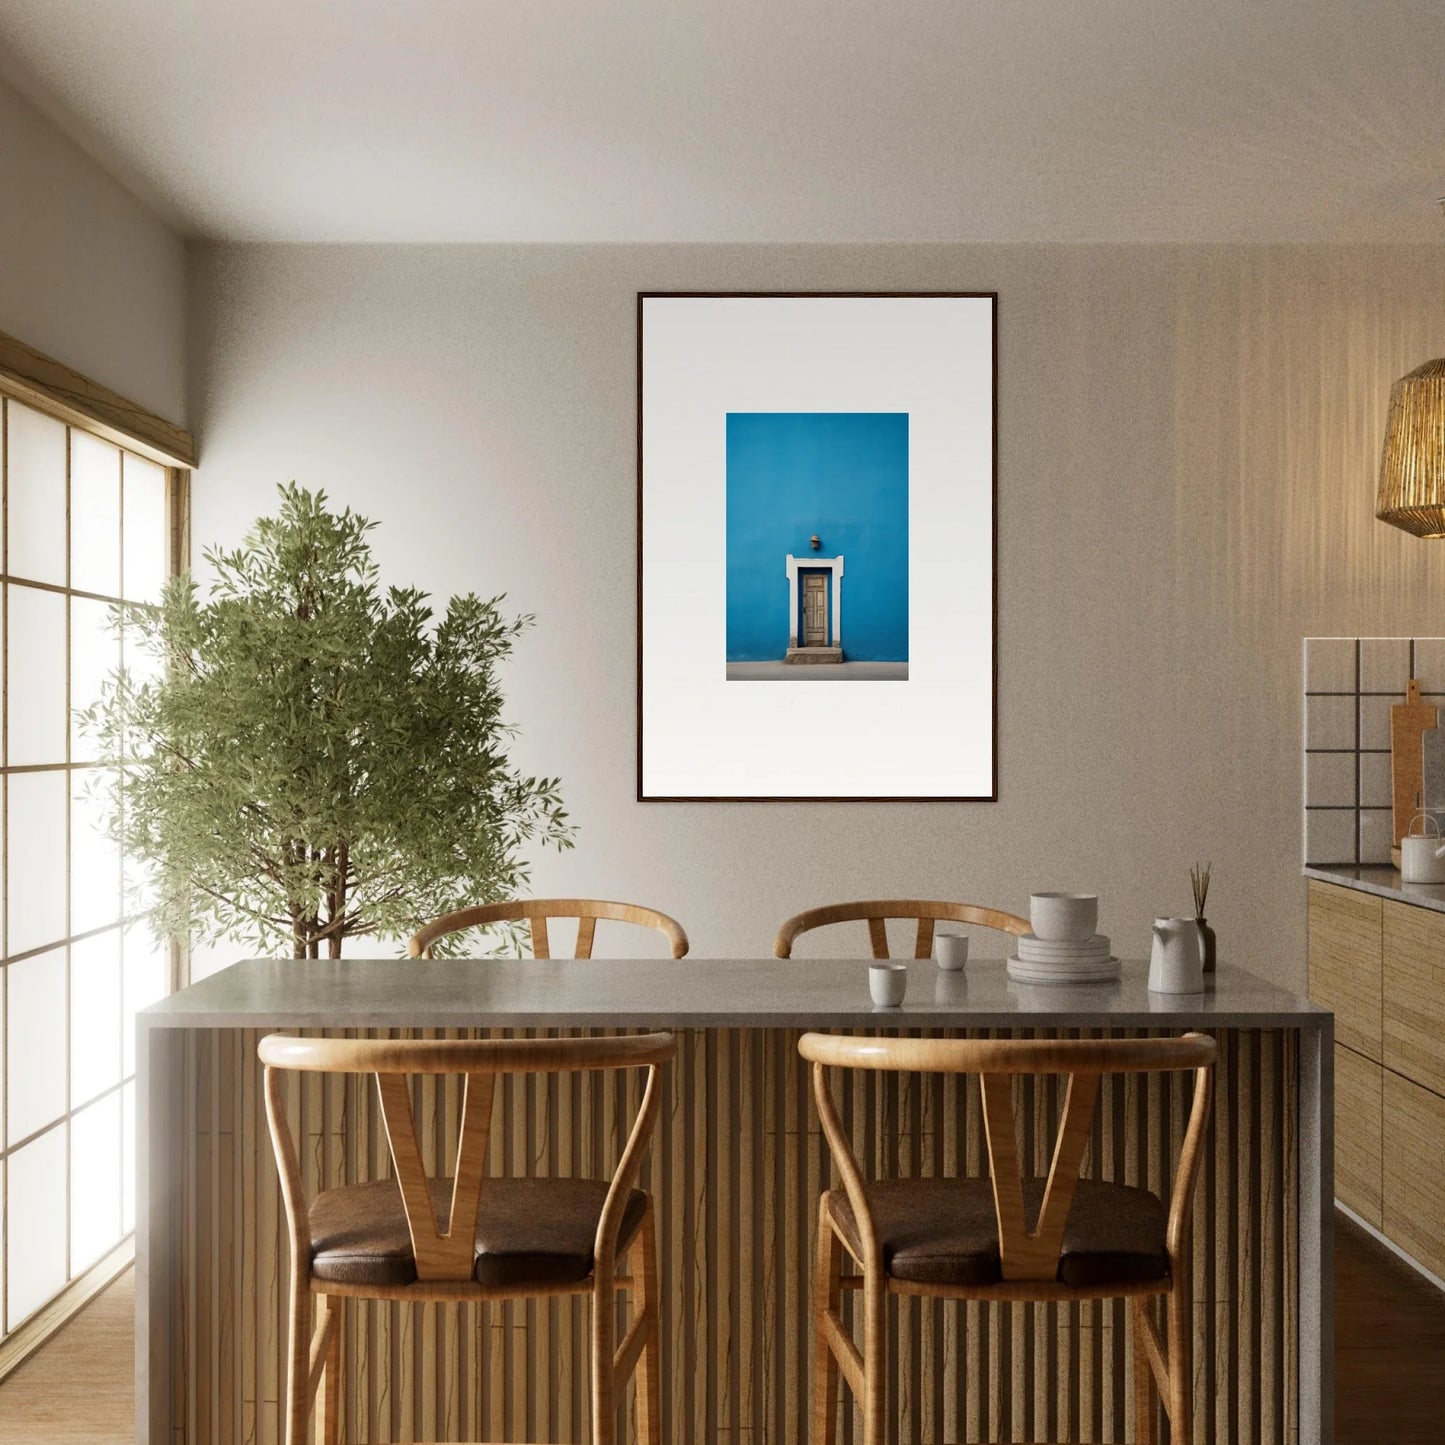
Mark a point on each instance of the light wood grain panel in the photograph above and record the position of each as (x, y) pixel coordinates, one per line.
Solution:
(736, 1144)
(1359, 1104)
(1414, 1175)
(1414, 994)
(1346, 967)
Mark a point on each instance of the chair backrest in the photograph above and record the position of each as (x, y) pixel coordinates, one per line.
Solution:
(444, 1252)
(536, 912)
(877, 911)
(1026, 1252)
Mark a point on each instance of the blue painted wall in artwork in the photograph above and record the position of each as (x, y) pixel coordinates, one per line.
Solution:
(843, 475)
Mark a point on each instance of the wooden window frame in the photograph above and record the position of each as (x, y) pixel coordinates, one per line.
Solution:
(38, 381)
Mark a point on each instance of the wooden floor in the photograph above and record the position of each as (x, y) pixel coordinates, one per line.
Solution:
(1389, 1346)
(1389, 1361)
(80, 1386)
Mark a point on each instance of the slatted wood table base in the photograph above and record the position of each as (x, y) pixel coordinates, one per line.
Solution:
(737, 1165)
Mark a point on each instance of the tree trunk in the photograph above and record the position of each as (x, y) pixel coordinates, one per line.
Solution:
(340, 864)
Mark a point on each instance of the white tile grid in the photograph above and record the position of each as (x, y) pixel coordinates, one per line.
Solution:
(1384, 664)
(1350, 685)
(1374, 769)
(1331, 664)
(1330, 722)
(1377, 834)
(1330, 779)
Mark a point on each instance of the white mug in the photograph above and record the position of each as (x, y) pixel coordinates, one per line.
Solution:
(951, 950)
(888, 982)
(1176, 964)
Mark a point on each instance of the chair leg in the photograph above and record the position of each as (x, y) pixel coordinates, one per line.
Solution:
(875, 1355)
(298, 1361)
(827, 1299)
(1179, 1325)
(604, 1346)
(649, 1364)
(328, 1424)
(1146, 1411)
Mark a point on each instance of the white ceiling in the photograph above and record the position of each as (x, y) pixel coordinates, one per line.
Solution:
(755, 120)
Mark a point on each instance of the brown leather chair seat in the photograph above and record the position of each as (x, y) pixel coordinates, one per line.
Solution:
(944, 1231)
(529, 1231)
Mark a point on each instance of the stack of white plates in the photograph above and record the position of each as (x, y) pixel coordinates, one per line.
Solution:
(1064, 960)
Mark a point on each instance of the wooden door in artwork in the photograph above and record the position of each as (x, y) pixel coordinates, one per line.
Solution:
(815, 609)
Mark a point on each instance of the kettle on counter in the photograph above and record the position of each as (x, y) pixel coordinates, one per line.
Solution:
(1422, 856)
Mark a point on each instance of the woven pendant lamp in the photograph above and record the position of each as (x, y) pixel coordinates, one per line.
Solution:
(1412, 469)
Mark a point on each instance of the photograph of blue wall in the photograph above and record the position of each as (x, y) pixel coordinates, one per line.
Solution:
(817, 546)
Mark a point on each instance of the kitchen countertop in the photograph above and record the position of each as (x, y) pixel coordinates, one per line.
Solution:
(1383, 881)
(697, 993)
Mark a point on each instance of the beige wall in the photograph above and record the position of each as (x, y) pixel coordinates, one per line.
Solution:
(1188, 438)
(87, 273)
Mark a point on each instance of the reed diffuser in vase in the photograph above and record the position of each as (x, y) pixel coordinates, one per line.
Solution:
(1199, 881)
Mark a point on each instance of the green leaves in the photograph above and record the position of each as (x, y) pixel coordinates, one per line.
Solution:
(320, 759)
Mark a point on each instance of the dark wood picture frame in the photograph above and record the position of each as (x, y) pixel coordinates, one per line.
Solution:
(992, 297)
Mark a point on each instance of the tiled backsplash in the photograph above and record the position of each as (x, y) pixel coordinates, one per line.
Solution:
(1350, 685)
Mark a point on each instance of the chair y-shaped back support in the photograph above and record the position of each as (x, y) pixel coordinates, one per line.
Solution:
(1030, 1252)
(445, 1251)
(877, 911)
(536, 912)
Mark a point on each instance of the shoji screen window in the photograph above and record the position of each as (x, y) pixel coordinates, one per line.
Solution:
(86, 524)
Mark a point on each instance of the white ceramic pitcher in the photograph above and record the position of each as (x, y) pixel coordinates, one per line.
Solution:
(1176, 964)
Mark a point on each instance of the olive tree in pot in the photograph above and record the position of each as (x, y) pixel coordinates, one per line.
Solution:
(303, 757)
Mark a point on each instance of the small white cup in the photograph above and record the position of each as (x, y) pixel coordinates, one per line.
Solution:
(950, 950)
(1061, 916)
(888, 982)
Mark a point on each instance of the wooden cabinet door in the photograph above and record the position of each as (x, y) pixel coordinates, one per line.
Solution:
(815, 610)
(1359, 1106)
(1415, 1171)
(1414, 1013)
(1346, 942)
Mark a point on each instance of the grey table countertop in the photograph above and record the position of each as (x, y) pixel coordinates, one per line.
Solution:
(697, 993)
(1381, 880)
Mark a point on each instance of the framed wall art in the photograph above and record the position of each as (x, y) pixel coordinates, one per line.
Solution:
(816, 546)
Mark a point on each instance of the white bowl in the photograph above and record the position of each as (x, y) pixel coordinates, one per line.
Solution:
(1064, 915)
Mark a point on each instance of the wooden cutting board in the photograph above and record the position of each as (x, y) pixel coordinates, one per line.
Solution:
(1409, 722)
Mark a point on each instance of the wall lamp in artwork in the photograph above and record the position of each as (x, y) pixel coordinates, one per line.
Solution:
(1412, 469)
(813, 542)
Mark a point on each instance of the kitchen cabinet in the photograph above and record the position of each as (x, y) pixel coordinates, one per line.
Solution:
(1377, 959)
(1414, 1171)
(1414, 994)
(1359, 1120)
(1345, 964)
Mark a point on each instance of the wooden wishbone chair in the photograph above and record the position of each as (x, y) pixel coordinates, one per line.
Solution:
(877, 911)
(468, 1237)
(1011, 1236)
(537, 911)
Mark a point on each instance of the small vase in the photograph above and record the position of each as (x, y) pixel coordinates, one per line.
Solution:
(1208, 933)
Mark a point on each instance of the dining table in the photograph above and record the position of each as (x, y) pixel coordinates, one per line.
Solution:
(736, 1166)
